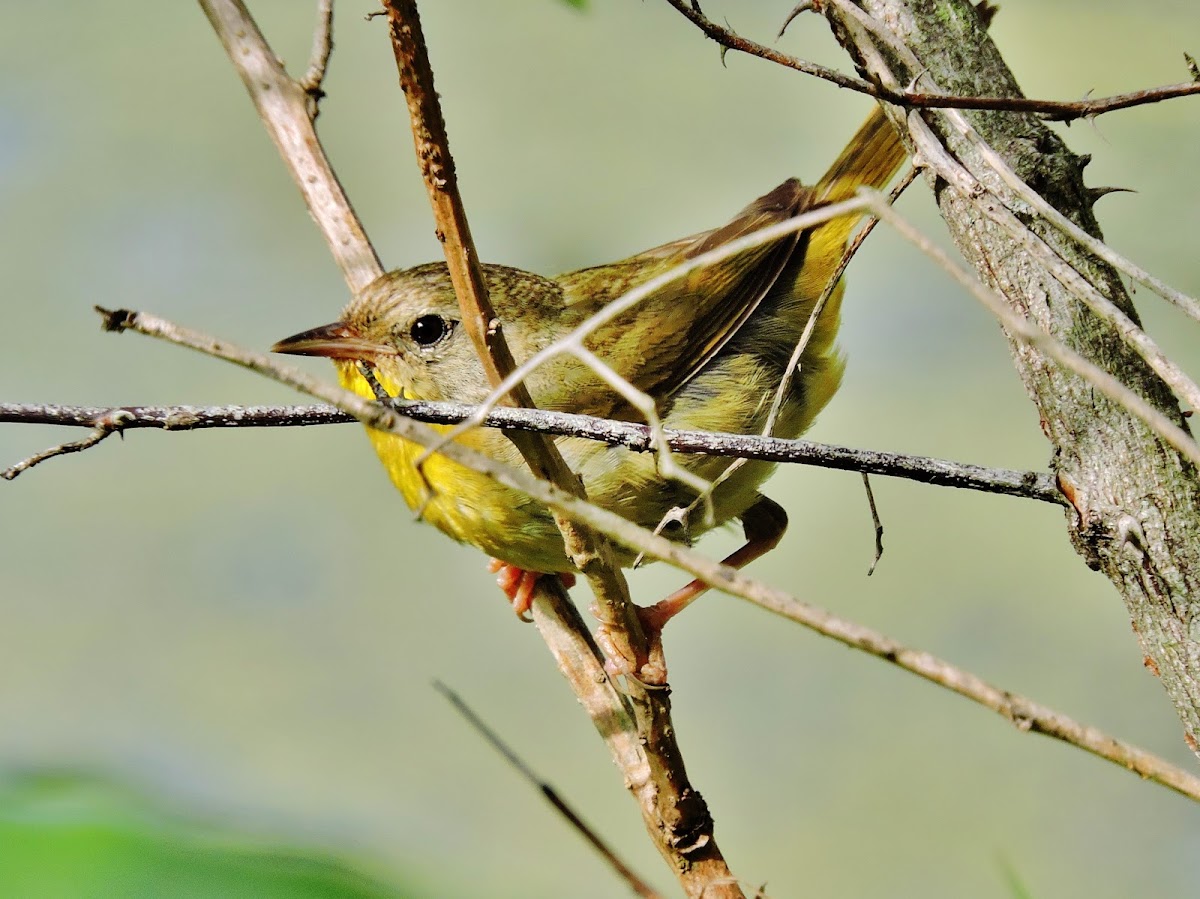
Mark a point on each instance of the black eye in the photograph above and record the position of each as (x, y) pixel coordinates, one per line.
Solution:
(429, 329)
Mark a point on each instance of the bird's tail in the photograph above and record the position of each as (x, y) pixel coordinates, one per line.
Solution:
(870, 159)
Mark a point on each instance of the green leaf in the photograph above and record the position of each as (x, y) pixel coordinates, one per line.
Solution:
(72, 837)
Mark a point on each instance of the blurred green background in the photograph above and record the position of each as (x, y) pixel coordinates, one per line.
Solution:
(244, 626)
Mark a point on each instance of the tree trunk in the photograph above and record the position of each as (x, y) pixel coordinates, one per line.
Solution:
(1136, 502)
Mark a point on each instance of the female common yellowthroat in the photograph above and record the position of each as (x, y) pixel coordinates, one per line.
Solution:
(711, 349)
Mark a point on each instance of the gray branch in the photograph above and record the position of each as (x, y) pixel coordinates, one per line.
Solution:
(633, 436)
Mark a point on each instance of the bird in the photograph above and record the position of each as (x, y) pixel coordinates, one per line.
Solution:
(711, 349)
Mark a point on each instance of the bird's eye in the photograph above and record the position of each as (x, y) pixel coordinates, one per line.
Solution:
(429, 329)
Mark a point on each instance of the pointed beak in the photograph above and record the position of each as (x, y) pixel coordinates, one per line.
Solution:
(335, 341)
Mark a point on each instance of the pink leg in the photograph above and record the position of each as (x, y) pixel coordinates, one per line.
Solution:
(519, 585)
(763, 525)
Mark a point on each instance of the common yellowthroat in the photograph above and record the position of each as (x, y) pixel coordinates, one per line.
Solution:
(711, 349)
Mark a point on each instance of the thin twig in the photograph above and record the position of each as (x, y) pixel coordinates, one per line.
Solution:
(932, 154)
(1022, 330)
(998, 211)
(923, 469)
(318, 62)
(875, 520)
(675, 815)
(282, 105)
(1054, 110)
(103, 426)
(590, 552)
(1025, 713)
(560, 805)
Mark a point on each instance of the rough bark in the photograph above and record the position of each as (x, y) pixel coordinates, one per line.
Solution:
(1135, 504)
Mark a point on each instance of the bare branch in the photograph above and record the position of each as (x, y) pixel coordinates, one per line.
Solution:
(283, 106)
(1020, 329)
(318, 62)
(582, 658)
(104, 426)
(1188, 304)
(676, 817)
(1053, 110)
(590, 552)
(560, 805)
(995, 207)
(923, 469)
(875, 520)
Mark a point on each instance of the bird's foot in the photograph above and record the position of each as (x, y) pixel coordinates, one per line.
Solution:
(519, 585)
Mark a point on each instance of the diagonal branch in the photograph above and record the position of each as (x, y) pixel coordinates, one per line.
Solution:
(583, 658)
(1053, 110)
(590, 552)
(646, 753)
(560, 805)
(282, 104)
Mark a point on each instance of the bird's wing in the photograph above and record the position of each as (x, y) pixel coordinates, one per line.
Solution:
(662, 342)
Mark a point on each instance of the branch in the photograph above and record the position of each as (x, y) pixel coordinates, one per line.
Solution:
(322, 49)
(923, 469)
(560, 805)
(1053, 110)
(1003, 213)
(582, 658)
(283, 106)
(588, 551)
(1135, 489)
(643, 752)
(676, 817)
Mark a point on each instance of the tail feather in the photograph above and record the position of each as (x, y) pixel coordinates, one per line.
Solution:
(870, 159)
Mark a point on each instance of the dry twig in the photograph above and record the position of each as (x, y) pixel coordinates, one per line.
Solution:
(1053, 110)
(682, 829)
(923, 469)
(318, 63)
(1000, 212)
(560, 805)
(581, 658)
(590, 552)
(283, 106)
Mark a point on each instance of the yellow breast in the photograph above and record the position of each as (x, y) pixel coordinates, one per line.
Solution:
(464, 504)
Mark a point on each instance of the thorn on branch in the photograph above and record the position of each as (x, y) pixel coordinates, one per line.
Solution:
(802, 6)
(1095, 193)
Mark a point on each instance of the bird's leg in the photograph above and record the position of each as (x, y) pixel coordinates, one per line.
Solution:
(518, 585)
(763, 525)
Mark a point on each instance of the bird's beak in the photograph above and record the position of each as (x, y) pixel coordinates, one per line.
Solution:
(336, 341)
